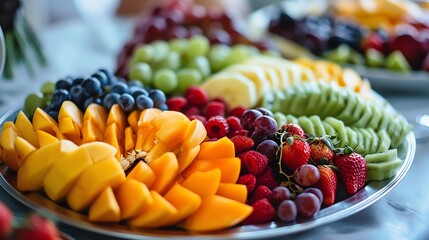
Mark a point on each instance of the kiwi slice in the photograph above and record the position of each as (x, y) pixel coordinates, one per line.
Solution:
(280, 118)
(382, 170)
(364, 117)
(346, 115)
(339, 127)
(367, 140)
(386, 156)
(353, 137)
(329, 130)
(318, 126)
(375, 140)
(279, 99)
(289, 94)
(291, 119)
(375, 118)
(384, 141)
(306, 124)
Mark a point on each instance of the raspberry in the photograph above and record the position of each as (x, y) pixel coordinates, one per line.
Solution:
(234, 123)
(255, 162)
(217, 127)
(242, 143)
(221, 100)
(249, 180)
(196, 96)
(261, 192)
(267, 178)
(237, 111)
(241, 132)
(214, 109)
(198, 117)
(176, 103)
(191, 111)
(263, 212)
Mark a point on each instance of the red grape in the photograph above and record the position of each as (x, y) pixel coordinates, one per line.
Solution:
(287, 211)
(265, 125)
(316, 192)
(306, 175)
(279, 194)
(268, 148)
(248, 117)
(307, 204)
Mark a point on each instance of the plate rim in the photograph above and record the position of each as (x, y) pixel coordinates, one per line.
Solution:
(261, 232)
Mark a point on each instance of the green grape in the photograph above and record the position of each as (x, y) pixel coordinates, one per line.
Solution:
(179, 45)
(271, 53)
(165, 80)
(32, 101)
(141, 72)
(198, 46)
(218, 56)
(188, 77)
(239, 53)
(48, 88)
(145, 53)
(172, 61)
(161, 50)
(201, 64)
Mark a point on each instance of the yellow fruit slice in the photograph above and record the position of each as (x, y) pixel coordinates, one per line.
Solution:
(133, 197)
(105, 208)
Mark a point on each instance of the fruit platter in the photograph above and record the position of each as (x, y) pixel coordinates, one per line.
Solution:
(203, 132)
(385, 41)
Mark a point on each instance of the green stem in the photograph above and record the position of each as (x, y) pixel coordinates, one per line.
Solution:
(10, 55)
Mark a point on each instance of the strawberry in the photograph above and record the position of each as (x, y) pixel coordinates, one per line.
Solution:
(242, 143)
(6, 218)
(267, 178)
(255, 162)
(295, 152)
(38, 228)
(327, 184)
(293, 130)
(249, 180)
(352, 171)
(261, 192)
(263, 212)
(321, 150)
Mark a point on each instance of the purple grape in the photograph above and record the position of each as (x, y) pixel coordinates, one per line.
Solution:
(307, 204)
(306, 175)
(316, 192)
(258, 137)
(287, 211)
(248, 117)
(265, 125)
(280, 194)
(268, 148)
(265, 111)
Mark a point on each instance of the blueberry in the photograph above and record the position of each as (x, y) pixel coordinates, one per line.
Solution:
(65, 84)
(78, 81)
(135, 92)
(92, 87)
(110, 99)
(135, 83)
(77, 94)
(58, 97)
(158, 97)
(143, 102)
(102, 77)
(107, 73)
(126, 102)
(91, 100)
(163, 107)
(54, 115)
(120, 88)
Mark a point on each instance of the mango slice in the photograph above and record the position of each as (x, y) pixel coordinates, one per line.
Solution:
(165, 169)
(185, 201)
(99, 151)
(42, 121)
(210, 150)
(195, 135)
(22, 150)
(186, 157)
(203, 183)
(142, 173)
(111, 137)
(133, 119)
(45, 138)
(130, 139)
(7, 142)
(237, 192)
(25, 127)
(229, 167)
(133, 197)
(105, 208)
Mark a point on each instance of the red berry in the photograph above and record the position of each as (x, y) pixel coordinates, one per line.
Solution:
(241, 132)
(267, 178)
(320, 151)
(237, 111)
(327, 184)
(242, 143)
(255, 162)
(295, 154)
(214, 109)
(196, 96)
(261, 192)
(352, 171)
(176, 103)
(217, 127)
(38, 228)
(263, 212)
(294, 129)
(249, 180)
(191, 111)
(234, 123)
(198, 117)
(6, 218)
(220, 100)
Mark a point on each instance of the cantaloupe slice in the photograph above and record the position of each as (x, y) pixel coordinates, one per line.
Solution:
(195, 135)
(186, 157)
(172, 135)
(105, 208)
(133, 197)
(185, 201)
(117, 116)
(142, 173)
(156, 152)
(203, 183)
(97, 115)
(146, 117)
(222, 148)
(90, 133)
(154, 215)
(165, 168)
(93, 181)
(229, 167)
(168, 118)
(237, 192)
(210, 217)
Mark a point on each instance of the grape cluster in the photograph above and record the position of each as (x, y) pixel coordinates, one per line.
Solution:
(175, 65)
(101, 88)
(261, 126)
